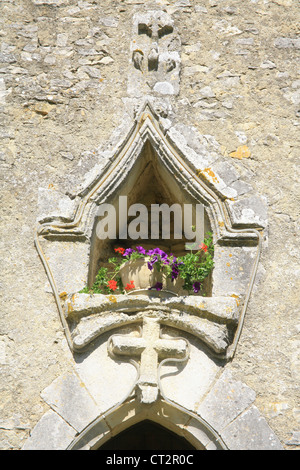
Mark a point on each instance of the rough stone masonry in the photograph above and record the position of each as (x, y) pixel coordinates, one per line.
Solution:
(64, 93)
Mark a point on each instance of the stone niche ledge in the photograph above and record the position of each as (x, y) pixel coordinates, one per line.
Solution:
(220, 309)
(208, 319)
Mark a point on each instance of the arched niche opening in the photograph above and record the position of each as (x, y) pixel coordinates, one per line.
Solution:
(147, 435)
(149, 183)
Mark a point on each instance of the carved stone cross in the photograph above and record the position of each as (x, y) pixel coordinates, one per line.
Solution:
(155, 55)
(155, 26)
(150, 347)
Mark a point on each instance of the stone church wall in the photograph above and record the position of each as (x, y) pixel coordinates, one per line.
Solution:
(66, 88)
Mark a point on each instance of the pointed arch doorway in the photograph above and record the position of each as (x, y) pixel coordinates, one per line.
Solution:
(147, 435)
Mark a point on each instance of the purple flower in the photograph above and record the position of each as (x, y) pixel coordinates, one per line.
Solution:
(141, 250)
(157, 251)
(150, 266)
(175, 270)
(151, 263)
(128, 252)
(196, 287)
(158, 286)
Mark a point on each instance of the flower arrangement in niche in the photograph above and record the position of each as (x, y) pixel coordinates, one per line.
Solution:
(192, 269)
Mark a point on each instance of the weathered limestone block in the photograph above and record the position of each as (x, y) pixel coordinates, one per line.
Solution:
(205, 158)
(54, 204)
(225, 171)
(250, 431)
(198, 161)
(69, 264)
(249, 212)
(3, 358)
(225, 401)
(51, 433)
(241, 187)
(3, 92)
(68, 396)
(232, 271)
(287, 43)
(200, 369)
(107, 380)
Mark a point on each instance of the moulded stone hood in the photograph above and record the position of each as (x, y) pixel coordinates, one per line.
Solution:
(208, 319)
(67, 248)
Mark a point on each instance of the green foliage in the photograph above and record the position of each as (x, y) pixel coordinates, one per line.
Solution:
(193, 267)
(133, 256)
(197, 266)
(101, 284)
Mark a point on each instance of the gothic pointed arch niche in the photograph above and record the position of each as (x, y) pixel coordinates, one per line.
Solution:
(149, 183)
(152, 154)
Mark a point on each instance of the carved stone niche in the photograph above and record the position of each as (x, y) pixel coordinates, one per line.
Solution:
(151, 164)
(148, 182)
(155, 55)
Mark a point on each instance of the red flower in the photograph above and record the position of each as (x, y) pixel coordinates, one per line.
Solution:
(203, 247)
(113, 285)
(120, 250)
(130, 286)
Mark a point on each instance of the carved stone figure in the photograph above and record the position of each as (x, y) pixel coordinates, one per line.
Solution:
(155, 55)
(138, 59)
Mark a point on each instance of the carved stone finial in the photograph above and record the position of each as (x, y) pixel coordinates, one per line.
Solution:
(156, 53)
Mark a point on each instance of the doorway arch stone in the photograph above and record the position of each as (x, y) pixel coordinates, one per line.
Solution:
(225, 419)
(175, 419)
(147, 435)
